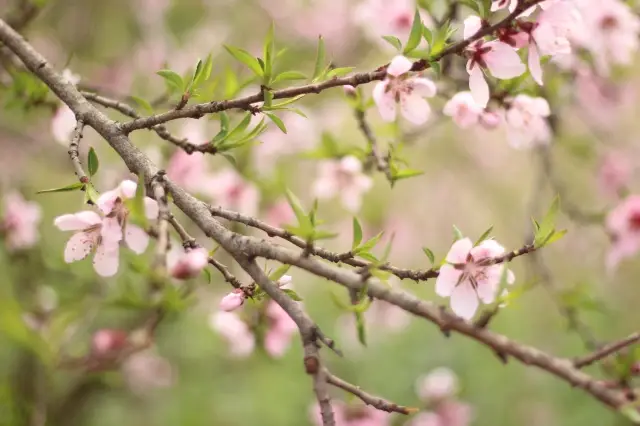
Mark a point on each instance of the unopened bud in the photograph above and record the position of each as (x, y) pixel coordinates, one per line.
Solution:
(108, 341)
(490, 120)
(232, 301)
(190, 264)
(349, 90)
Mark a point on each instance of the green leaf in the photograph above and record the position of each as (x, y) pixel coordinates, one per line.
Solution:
(368, 256)
(246, 58)
(360, 327)
(630, 411)
(393, 41)
(269, 47)
(320, 60)
(136, 205)
(92, 162)
(173, 79)
(292, 294)
(301, 216)
(547, 224)
(289, 75)
(288, 101)
(73, 187)
(323, 235)
(429, 254)
(416, 33)
(143, 103)
(473, 5)
(202, 72)
(406, 173)
(555, 236)
(339, 72)
(279, 272)
(237, 131)
(484, 235)
(90, 194)
(207, 275)
(357, 233)
(369, 244)
(428, 35)
(457, 234)
(277, 121)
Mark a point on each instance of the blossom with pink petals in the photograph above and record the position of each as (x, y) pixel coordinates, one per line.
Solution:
(623, 225)
(190, 170)
(233, 300)
(342, 177)
(62, 125)
(281, 328)
(463, 109)
(401, 88)
(236, 332)
(184, 265)
(466, 278)
(92, 235)
(354, 414)
(145, 371)
(231, 191)
(500, 59)
(527, 121)
(280, 213)
(107, 342)
(439, 384)
(19, 222)
(614, 173)
(111, 203)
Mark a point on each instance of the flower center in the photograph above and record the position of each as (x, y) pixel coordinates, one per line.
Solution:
(634, 221)
(608, 23)
(403, 21)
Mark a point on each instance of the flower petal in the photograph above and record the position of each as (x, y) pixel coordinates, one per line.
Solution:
(398, 66)
(423, 87)
(534, 64)
(77, 221)
(478, 86)
(78, 247)
(464, 301)
(459, 251)
(136, 238)
(105, 262)
(128, 188)
(107, 200)
(447, 280)
(384, 101)
(503, 61)
(151, 208)
(415, 109)
(471, 26)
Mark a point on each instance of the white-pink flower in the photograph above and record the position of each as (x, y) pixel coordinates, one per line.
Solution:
(62, 125)
(614, 173)
(91, 235)
(232, 301)
(145, 371)
(236, 332)
(463, 109)
(190, 170)
(188, 264)
(20, 221)
(439, 384)
(343, 178)
(623, 225)
(112, 205)
(281, 328)
(399, 87)
(231, 191)
(500, 59)
(466, 277)
(527, 121)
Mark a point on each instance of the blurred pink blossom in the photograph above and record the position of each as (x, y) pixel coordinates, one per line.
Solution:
(343, 178)
(62, 125)
(600, 98)
(281, 328)
(236, 332)
(184, 265)
(231, 191)
(499, 58)
(464, 278)
(20, 221)
(352, 415)
(408, 91)
(526, 121)
(464, 111)
(623, 225)
(280, 213)
(145, 371)
(232, 301)
(439, 384)
(614, 173)
(190, 170)
(106, 342)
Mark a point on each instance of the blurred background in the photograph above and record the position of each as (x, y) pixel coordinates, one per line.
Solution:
(564, 298)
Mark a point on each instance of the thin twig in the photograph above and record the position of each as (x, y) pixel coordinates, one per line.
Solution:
(164, 215)
(228, 276)
(606, 350)
(187, 240)
(367, 398)
(381, 163)
(74, 147)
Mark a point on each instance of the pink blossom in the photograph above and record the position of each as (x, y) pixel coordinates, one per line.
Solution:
(382, 17)
(111, 203)
(281, 328)
(232, 301)
(284, 280)
(454, 413)
(500, 59)
(491, 119)
(465, 278)
(463, 109)
(439, 384)
(92, 235)
(614, 173)
(190, 170)
(184, 265)
(280, 213)
(146, 371)
(236, 332)
(426, 418)
(231, 191)
(20, 221)
(342, 177)
(526, 121)
(408, 91)
(62, 125)
(623, 225)
(602, 99)
(107, 342)
(355, 414)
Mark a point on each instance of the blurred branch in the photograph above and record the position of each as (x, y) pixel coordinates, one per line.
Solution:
(24, 13)
(606, 350)
(381, 163)
(164, 215)
(246, 103)
(375, 401)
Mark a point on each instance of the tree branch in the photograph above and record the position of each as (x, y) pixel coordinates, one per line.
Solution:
(74, 147)
(606, 350)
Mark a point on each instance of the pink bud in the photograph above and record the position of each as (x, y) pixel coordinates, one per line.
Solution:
(232, 301)
(284, 280)
(490, 120)
(108, 341)
(349, 90)
(190, 264)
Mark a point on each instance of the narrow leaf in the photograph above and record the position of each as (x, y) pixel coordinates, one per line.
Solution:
(339, 72)
(484, 235)
(289, 75)
(73, 187)
(92, 162)
(320, 59)
(173, 79)
(246, 58)
(393, 41)
(457, 234)
(277, 121)
(279, 272)
(357, 233)
(143, 103)
(429, 254)
(416, 33)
